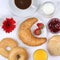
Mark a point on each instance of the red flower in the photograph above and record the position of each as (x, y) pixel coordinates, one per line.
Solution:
(8, 25)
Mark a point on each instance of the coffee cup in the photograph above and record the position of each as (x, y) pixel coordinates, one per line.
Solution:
(30, 10)
(25, 6)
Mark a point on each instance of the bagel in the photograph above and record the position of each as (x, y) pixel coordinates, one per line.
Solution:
(18, 53)
(7, 42)
(26, 36)
(54, 45)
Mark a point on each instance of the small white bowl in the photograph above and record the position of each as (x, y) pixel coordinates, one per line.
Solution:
(47, 9)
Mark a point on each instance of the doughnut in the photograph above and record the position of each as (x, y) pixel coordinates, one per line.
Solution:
(7, 42)
(54, 45)
(18, 53)
(26, 36)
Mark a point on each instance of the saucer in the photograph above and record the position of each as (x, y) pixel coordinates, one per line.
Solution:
(19, 12)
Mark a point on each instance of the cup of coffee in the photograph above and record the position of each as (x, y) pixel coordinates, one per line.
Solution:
(26, 4)
(23, 8)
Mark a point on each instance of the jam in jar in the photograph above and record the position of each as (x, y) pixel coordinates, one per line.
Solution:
(54, 25)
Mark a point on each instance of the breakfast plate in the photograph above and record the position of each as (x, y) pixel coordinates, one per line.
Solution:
(47, 31)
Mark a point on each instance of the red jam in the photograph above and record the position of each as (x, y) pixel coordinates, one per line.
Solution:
(54, 25)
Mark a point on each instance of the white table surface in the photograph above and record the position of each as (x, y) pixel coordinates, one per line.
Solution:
(4, 10)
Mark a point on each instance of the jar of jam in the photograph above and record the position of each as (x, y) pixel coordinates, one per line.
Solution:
(54, 25)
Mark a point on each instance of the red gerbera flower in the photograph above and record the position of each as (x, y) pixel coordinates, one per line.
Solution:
(8, 25)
